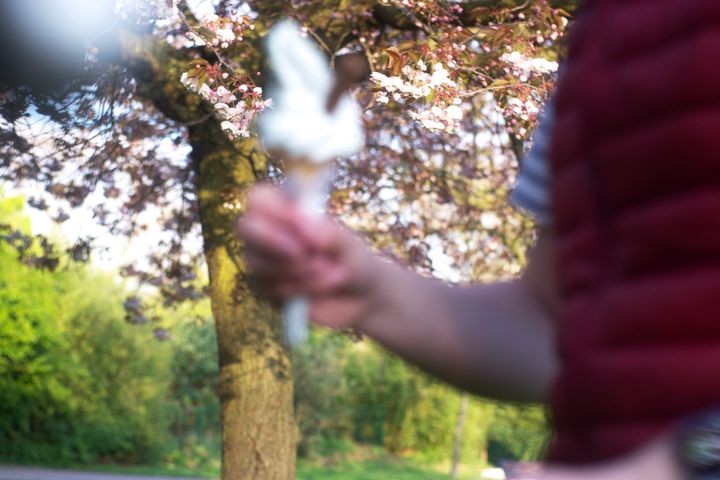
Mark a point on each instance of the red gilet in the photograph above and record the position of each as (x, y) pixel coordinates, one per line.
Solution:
(635, 157)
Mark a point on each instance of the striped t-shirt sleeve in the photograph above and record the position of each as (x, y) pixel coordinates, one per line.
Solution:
(531, 192)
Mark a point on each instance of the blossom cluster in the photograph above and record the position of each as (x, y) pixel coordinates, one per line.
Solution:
(441, 110)
(524, 110)
(236, 109)
(222, 31)
(520, 114)
(234, 97)
(145, 9)
(438, 118)
(520, 105)
(525, 67)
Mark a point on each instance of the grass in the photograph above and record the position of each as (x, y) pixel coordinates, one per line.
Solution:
(149, 470)
(200, 458)
(381, 469)
(375, 469)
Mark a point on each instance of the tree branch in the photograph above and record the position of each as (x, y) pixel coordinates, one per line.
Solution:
(392, 16)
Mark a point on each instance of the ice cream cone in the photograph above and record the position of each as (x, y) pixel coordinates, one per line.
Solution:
(312, 121)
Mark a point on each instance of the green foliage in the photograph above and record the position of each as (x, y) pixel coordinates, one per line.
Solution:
(11, 213)
(430, 423)
(376, 469)
(357, 391)
(125, 372)
(321, 391)
(193, 402)
(79, 384)
(76, 382)
(518, 433)
(382, 387)
(347, 392)
(196, 454)
(195, 378)
(32, 393)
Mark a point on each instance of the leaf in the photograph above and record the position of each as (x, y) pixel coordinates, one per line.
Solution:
(396, 61)
(194, 72)
(407, 46)
(202, 78)
(465, 35)
(393, 53)
(198, 61)
(479, 12)
(500, 35)
(397, 67)
(500, 82)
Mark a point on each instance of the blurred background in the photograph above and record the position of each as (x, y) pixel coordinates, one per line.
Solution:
(119, 182)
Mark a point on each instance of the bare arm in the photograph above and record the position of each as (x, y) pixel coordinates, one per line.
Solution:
(494, 339)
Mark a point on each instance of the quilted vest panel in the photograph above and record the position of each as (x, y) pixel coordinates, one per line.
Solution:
(635, 160)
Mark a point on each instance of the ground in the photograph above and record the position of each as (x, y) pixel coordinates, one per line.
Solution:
(32, 473)
(375, 470)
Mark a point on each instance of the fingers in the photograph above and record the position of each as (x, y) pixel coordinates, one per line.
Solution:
(268, 225)
(266, 200)
(316, 276)
(291, 253)
(275, 225)
(324, 275)
(272, 202)
(321, 234)
(268, 239)
(279, 290)
(272, 268)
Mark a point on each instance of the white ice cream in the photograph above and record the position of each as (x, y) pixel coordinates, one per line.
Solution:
(299, 126)
(298, 123)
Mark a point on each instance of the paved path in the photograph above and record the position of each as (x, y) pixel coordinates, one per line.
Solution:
(9, 472)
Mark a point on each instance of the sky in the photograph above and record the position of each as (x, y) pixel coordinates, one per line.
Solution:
(112, 251)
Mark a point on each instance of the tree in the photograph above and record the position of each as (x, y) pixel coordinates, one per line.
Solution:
(75, 383)
(455, 91)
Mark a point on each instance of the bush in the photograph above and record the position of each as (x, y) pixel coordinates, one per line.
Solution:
(77, 384)
(391, 404)
(322, 410)
(519, 432)
(195, 404)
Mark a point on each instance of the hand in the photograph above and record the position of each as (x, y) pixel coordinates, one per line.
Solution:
(291, 253)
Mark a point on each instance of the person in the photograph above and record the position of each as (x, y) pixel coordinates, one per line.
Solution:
(495, 340)
(614, 320)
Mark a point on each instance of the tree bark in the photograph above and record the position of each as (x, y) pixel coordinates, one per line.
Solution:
(256, 391)
(255, 372)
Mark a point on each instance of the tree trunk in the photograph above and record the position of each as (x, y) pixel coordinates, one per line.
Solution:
(256, 391)
(457, 440)
(255, 373)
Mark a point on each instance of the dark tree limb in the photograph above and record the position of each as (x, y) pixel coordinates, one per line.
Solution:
(394, 17)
